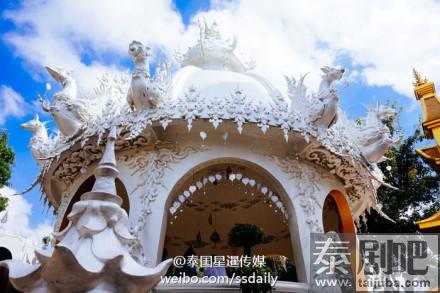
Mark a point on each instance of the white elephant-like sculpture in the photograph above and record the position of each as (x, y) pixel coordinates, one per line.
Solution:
(68, 112)
(144, 93)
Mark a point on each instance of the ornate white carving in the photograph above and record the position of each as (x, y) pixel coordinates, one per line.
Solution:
(356, 179)
(215, 112)
(330, 75)
(239, 108)
(68, 112)
(40, 143)
(235, 106)
(190, 106)
(305, 178)
(70, 166)
(321, 108)
(212, 51)
(144, 92)
(328, 98)
(374, 137)
(296, 89)
(150, 165)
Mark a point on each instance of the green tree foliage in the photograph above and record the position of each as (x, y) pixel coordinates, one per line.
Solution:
(246, 236)
(419, 188)
(6, 160)
(3, 203)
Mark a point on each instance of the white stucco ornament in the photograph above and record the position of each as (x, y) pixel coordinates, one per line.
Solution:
(373, 137)
(322, 107)
(212, 51)
(92, 253)
(144, 92)
(328, 97)
(68, 112)
(40, 141)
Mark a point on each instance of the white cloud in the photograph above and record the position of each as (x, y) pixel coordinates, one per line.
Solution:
(11, 104)
(285, 37)
(67, 32)
(387, 39)
(16, 234)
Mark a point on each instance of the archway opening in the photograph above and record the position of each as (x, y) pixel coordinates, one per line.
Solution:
(336, 214)
(208, 203)
(336, 217)
(87, 186)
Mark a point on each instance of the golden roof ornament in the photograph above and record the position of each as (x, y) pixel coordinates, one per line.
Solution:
(424, 91)
(418, 79)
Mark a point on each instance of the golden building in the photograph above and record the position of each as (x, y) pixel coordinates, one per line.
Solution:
(424, 91)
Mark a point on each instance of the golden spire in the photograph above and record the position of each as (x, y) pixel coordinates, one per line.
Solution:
(418, 80)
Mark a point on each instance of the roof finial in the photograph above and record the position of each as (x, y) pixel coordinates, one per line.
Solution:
(418, 80)
(106, 173)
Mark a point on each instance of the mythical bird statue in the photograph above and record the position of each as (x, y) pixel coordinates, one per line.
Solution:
(40, 142)
(143, 92)
(68, 112)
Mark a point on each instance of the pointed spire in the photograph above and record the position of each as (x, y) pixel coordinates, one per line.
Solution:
(105, 173)
(418, 80)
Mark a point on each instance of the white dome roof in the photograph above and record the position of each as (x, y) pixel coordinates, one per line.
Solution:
(219, 83)
(212, 68)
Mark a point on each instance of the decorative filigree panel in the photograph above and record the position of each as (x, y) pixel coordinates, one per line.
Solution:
(305, 178)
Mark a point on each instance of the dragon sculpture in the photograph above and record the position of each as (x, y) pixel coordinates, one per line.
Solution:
(374, 137)
(322, 107)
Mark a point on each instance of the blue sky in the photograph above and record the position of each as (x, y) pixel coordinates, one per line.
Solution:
(376, 72)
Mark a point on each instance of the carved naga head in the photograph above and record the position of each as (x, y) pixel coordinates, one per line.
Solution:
(138, 51)
(332, 74)
(33, 125)
(60, 74)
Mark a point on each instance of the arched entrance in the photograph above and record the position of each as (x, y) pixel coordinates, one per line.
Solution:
(86, 186)
(336, 215)
(206, 204)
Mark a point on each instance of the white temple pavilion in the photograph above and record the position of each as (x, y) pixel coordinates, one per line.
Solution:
(190, 153)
